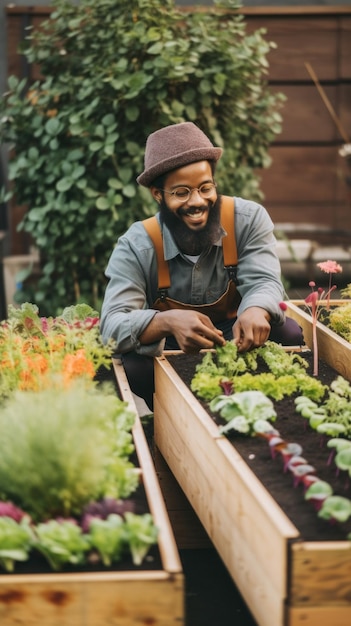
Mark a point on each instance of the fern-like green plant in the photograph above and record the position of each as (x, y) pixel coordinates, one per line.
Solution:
(58, 449)
(340, 320)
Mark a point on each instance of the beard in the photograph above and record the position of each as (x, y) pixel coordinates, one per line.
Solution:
(190, 241)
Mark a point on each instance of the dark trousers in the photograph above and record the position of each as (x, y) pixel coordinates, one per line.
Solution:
(140, 369)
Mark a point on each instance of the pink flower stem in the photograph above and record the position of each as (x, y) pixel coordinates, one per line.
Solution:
(314, 337)
(329, 291)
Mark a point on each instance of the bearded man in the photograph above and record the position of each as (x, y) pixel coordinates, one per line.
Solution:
(201, 272)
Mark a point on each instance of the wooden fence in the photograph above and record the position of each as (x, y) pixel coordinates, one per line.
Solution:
(306, 187)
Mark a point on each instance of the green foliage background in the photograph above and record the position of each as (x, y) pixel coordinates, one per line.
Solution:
(114, 71)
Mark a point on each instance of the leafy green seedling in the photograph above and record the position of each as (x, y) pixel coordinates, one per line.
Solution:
(330, 428)
(250, 406)
(343, 459)
(108, 537)
(317, 492)
(141, 534)
(335, 509)
(61, 543)
(15, 542)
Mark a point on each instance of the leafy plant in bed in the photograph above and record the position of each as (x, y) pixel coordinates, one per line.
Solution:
(66, 481)
(260, 387)
(70, 491)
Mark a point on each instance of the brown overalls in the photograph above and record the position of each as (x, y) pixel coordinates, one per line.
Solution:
(227, 305)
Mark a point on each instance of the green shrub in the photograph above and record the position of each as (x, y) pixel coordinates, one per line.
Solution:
(112, 72)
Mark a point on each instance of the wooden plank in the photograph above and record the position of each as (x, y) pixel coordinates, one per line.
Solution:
(91, 600)
(331, 348)
(321, 574)
(319, 616)
(305, 117)
(345, 48)
(188, 531)
(300, 39)
(299, 174)
(167, 544)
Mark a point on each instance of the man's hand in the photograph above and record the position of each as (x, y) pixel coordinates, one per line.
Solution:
(251, 329)
(192, 330)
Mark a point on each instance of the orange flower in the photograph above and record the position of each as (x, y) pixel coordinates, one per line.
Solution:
(31, 376)
(56, 343)
(75, 365)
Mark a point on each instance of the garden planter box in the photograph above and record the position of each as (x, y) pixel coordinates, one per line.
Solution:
(114, 598)
(284, 580)
(332, 349)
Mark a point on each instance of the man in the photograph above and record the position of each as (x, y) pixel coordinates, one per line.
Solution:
(201, 303)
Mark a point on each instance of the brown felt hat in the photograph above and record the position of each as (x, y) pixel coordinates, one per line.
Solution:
(175, 146)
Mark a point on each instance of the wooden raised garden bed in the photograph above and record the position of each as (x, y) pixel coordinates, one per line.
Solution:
(115, 598)
(285, 579)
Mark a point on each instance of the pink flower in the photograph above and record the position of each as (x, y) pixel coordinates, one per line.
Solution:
(330, 267)
(8, 509)
(283, 306)
(312, 298)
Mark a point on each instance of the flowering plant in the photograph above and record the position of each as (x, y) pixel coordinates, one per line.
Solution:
(40, 352)
(329, 267)
(314, 300)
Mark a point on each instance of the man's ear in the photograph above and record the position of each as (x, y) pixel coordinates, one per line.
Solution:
(156, 194)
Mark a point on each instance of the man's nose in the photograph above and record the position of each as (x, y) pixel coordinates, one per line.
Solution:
(195, 197)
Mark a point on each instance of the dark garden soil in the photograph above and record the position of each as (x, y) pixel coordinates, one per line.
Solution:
(292, 428)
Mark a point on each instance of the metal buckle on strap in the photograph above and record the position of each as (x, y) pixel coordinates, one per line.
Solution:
(163, 293)
(232, 272)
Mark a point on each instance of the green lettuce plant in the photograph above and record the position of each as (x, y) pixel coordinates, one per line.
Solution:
(227, 370)
(108, 538)
(15, 541)
(59, 450)
(241, 410)
(141, 534)
(61, 542)
(111, 72)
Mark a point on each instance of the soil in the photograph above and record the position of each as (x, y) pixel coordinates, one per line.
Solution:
(292, 428)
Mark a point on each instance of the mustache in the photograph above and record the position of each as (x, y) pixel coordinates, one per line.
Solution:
(193, 210)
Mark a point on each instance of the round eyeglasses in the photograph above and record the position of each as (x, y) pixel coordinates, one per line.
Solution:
(183, 194)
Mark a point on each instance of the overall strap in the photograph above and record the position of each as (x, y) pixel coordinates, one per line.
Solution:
(230, 255)
(153, 229)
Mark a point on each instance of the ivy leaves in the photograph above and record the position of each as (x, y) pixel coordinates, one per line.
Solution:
(78, 134)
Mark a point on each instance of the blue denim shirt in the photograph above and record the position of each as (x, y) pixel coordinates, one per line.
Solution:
(132, 273)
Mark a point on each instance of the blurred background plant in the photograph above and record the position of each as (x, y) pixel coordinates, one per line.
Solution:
(112, 72)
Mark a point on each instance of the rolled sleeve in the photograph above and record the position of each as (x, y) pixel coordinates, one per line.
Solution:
(126, 309)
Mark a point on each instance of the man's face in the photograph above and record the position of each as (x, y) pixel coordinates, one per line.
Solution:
(193, 222)
(194, 210)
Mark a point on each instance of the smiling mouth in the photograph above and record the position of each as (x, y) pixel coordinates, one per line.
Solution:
(195, 211)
